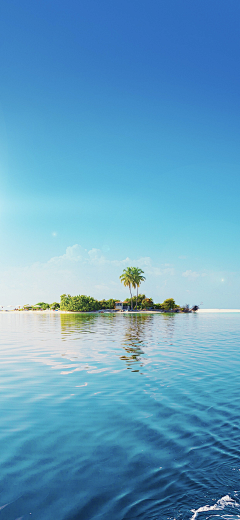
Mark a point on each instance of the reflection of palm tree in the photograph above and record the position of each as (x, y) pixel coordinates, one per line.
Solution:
(134, 339)
(138, 277)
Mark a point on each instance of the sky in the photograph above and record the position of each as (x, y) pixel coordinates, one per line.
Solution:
(119, 146)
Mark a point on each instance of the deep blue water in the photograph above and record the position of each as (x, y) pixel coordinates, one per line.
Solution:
(119, 417)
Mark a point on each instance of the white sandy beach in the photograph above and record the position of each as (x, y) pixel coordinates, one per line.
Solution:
(113, 312)
(218, 310)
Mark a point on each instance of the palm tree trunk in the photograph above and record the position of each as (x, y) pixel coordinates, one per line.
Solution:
(137, 298)
(131, 295)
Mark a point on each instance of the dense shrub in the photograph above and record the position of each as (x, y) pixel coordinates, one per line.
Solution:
(55, 306)
(82, 303)
(147, 303)
(42, 305)
(141, 297)
(107, 304)
(169, 304)
(158, 306)
(78, 303)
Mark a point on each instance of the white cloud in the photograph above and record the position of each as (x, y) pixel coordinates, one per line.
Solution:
(192, 275)
(73, 253)
(170, 270)
(121, 262)
(146, 262)
(95, 257)
(102, 287)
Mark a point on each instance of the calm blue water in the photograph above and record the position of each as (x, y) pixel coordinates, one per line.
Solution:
(119, 417)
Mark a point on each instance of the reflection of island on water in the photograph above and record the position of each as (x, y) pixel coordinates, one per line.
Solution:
(134, 339)
(75, 323)
(136, 333)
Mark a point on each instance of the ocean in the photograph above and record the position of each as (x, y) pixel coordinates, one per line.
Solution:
(119, 417)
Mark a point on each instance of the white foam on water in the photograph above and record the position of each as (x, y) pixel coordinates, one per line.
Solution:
(223, 502)
(2, 507)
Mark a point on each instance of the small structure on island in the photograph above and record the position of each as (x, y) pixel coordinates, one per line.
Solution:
(122, 306)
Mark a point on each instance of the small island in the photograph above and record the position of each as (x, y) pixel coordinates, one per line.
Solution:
(132, 277)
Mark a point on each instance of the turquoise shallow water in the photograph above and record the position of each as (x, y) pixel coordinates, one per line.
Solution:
(119, 417)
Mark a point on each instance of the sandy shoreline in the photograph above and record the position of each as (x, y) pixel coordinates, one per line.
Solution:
(80, 312)
(115, 312)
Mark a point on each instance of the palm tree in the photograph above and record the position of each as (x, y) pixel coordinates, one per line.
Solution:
(128, 280)
(138, 277)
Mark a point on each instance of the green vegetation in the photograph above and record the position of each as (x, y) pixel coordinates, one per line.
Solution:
(147, 303)
(107, 304)
(141, 298)
(78, 303)
(55, 306)
(169, 305)
(141, 302)
(41, 306)
(83, 303)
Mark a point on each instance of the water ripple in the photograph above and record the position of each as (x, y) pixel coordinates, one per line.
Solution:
(128, 416)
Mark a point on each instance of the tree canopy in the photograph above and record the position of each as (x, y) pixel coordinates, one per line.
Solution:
(55, 306)
(132, 277)
(169, 304)
(42, 305)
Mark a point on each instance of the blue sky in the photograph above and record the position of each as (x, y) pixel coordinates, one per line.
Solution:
(119, 144)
